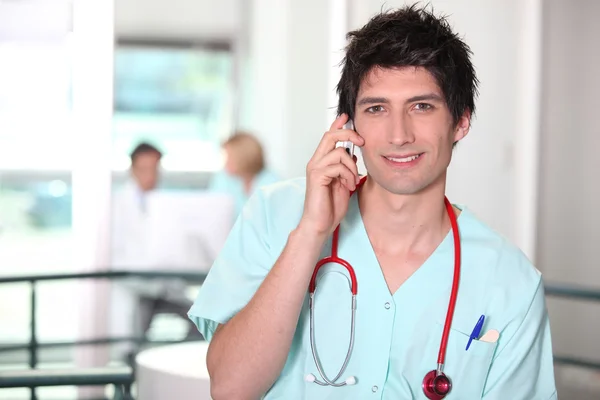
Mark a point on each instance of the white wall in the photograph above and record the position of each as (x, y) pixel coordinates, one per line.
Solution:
(308, 79)
(287, 98)
(188, 19)
(91, 174)
(34, 19)
(569, 223)
(264, 89)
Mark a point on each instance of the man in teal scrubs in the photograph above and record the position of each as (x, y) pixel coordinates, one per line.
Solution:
(408, 85)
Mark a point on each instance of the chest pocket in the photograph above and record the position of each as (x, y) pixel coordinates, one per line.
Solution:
(468, 369)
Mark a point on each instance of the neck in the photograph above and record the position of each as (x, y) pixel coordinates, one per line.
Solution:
(248, 180)
(403, 223)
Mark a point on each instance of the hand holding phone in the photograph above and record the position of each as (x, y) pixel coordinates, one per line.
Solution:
(348, 145)
(331, 176)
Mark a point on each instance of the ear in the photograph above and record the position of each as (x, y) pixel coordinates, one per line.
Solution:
(462, 126)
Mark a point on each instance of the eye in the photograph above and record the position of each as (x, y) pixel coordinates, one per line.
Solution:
(423, 107)
(375, 109)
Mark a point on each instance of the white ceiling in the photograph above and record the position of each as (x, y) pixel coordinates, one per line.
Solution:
(204, 19)
(182, 19)
(34, 19)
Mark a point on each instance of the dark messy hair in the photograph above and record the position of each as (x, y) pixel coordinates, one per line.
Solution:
(409, 36)
(144, 148)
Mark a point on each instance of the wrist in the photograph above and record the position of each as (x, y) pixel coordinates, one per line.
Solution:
(309, 235)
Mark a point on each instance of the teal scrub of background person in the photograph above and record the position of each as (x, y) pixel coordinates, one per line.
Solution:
(397, 335)
(222, 182)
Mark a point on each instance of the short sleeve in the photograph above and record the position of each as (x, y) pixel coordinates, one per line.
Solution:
(238, 271)
(523, 368)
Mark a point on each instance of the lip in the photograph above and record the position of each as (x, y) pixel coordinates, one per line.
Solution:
(408, 164)
(402, 155)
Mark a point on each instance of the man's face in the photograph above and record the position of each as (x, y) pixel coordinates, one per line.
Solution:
(145, 170)
(408, 130)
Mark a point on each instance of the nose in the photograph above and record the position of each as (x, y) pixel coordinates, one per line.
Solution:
(400, 132)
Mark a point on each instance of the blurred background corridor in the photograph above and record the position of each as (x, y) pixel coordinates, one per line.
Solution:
(130, 130)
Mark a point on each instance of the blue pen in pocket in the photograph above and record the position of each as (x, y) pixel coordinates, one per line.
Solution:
(476, 331)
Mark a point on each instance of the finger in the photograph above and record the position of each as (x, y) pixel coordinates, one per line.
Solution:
(338, 171)
(339, 122)
(330, 139)
(338, 156)
(355, 158)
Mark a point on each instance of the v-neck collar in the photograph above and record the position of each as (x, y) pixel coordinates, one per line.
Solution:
(432, 278)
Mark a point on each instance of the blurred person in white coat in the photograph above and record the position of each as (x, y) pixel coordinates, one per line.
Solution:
(130, 216)
(135, 302)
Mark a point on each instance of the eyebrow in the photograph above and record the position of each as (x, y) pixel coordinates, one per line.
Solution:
(372, 100)
(428, 96)
(384, 100)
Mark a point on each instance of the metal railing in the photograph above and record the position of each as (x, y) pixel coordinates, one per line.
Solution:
(124, 377)
(573, 292)
(119, 377)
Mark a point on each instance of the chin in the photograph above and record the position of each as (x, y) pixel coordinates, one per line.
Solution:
(399, 186)
(404, 185)
(403, 190)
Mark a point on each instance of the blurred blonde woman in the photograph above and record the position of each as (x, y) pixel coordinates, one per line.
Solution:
(244, 169)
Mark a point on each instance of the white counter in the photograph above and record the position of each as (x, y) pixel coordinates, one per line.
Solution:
(175, 371)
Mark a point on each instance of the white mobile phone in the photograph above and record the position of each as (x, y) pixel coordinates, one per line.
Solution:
(348, 145)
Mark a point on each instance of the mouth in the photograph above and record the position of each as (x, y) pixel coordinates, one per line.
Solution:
(403, 160)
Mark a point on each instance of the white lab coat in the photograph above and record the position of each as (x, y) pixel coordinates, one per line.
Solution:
(130, 228)
(139, 242)
(130, 250)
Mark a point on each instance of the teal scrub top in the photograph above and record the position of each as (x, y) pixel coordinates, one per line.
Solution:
(222, 182)
(397, 334)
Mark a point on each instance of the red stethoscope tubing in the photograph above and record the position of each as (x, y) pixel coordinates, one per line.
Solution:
(455, 280)
(333, 258)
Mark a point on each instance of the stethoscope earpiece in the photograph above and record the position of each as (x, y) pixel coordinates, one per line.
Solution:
(351, 381)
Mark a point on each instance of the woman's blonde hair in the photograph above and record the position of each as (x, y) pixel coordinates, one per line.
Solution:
(246, 152)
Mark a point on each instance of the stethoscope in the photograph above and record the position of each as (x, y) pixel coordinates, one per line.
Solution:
(436, 385)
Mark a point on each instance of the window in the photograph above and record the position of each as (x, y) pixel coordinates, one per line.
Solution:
(176, 96)
(35, 186)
